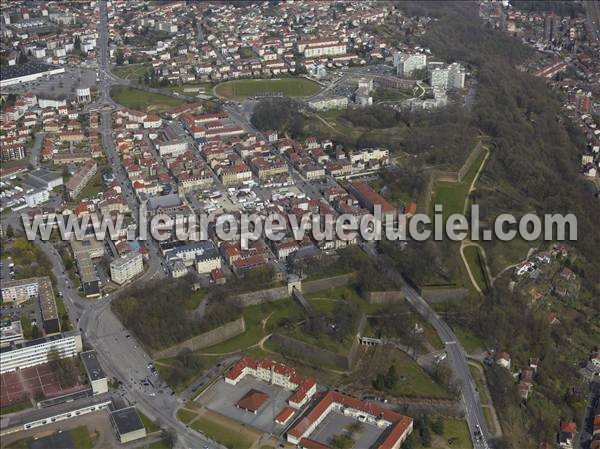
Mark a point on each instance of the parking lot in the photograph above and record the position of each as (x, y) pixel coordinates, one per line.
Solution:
(222, 397)
(61, 86)
(336, 423)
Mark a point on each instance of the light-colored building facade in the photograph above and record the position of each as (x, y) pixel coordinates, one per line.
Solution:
(125, 268)
(406, 64)
(94, 372)
(36, 352)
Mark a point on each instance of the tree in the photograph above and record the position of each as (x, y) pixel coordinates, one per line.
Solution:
(66, 368)
(22, 58)
(119, 56)
(379, 383)
(426, 437)
(391, 378)
(10, 233)
(437, 425)
(35, 332)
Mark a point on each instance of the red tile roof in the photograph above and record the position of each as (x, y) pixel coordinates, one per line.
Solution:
(400, 423)
(284, 415)
(568, 427)
(253, 400)
(307, 443)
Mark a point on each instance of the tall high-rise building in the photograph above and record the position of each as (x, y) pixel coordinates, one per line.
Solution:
(406, 64)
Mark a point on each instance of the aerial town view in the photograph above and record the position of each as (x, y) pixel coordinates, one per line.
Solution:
(339, 224)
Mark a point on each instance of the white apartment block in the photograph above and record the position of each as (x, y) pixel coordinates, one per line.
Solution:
(456, 76)
(439, 78)
(313, 51)
(35, 352)
(20, 291)
(369, 154)
(126, 268)
(11, 333)
(329, 103)
(406, 63)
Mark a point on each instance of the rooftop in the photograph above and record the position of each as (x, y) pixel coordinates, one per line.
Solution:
(127, 420)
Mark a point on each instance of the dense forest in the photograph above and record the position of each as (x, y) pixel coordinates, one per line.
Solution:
(159, 313)
(534, 159)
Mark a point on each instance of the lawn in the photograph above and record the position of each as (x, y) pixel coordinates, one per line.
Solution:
(473, 256)
(451, 196)
(291, 87)
(192, 88)
(82, 438)
(131, 71)
(195, 299)
(141, 100)
(15, 407)
(164, 367)
(483, 396)
(456, 434)
(471, 342)
(253, 316)
(383, 94)
(225, 431)
(413, 380)
(185, 416)
(148, 423)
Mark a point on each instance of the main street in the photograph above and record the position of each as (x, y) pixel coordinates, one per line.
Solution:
(120, 355)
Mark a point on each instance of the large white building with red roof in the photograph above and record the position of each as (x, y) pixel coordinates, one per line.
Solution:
(396, 427)
(277, 374)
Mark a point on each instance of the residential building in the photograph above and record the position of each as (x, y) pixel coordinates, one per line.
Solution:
(35, 197)
(400, 426)
(94, 371)
(323, 104)
(125, 268)
(406, 63)
(277, 374)
(35, 352)
(81, 178)
(10, 332)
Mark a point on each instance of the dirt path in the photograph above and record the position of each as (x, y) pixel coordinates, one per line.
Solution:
(466, 243)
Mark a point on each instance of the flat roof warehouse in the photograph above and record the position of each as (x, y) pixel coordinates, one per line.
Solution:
(21, 73)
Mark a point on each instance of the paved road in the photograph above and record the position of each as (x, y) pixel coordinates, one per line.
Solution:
(456, 353)
(121, 356)
(34, 152)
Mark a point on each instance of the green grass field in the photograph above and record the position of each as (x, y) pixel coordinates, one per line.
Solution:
(413, 380)
(185, 416)
(470, 342)
(456, 434)
(131, 71)
(148, 423)
(291, 87)
(473, 259)
(82, 438)
(192, 88)
(141, 100)
(16, 407)
(218, 429)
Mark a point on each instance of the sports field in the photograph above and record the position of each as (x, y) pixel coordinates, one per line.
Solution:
(36, 381)
(290, 87)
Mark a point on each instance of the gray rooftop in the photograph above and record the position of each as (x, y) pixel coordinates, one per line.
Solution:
(127, 420)
(92, 365)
